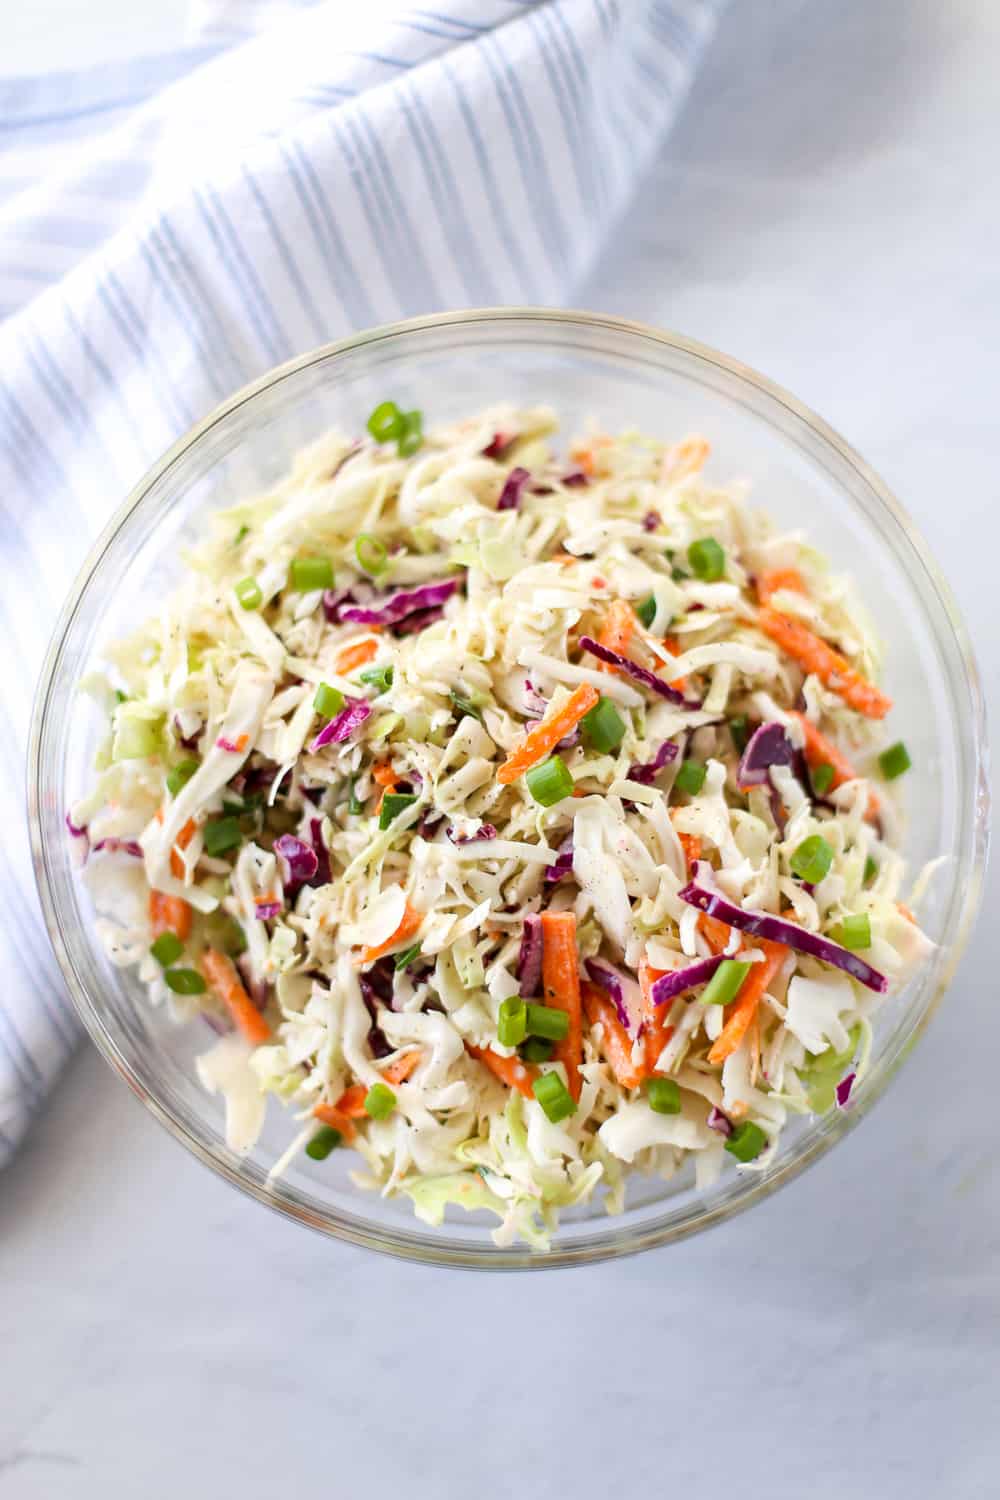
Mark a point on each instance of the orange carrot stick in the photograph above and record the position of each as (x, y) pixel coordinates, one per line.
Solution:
(773, 579)
(815, 656)
(169, 914)
(561, 988)
(183, 839)
(222, 976)
(691, 844)
(654, 1017)
(355, 655)
(820, 751)
(409, 922)
(384, 775)
(352, 1101)
(716, 933)
(743, 1009)
(616, 1041)
(620, 624)
(331, 1115)
(537, 744)
(510, 1070)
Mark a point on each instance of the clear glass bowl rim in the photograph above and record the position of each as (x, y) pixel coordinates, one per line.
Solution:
(413, 1244)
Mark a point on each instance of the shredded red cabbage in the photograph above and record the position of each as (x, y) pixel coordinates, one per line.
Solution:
(486, 831)
(843, 1089)
(640, 674)
(323, 874)
(118, 846)
(651, 520)
(265, 910)
(299, 862)
(574, 478)
(609, 980)
(77, 833)
(778, 930)
(510, 495)
(768, 746)
(529, 959)
(351, 717)
(498, 445)
(400, 604)
(413, 624)
(563, 863)
(223, 744)
(646, 771)
(718, 1121)
(376, 991)
(669, 986)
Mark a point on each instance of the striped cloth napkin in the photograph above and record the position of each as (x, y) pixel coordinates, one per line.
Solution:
(171, 228)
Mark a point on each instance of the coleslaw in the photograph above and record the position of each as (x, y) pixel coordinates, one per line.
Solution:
(517, 821)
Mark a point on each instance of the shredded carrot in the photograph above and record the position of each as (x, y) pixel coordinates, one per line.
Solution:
(352, 1101)
(541, 740)
(410, 921)
(169, 914)
(355, 655)
(682, 459)
(672, 644)
(716, 933)
(743, 1009)
(561, 988)
(616, 1041)
(222, 976)
(820, 751)
(584, 459)
(331, 1115)
(815, 656)
(905, 911)
(654, 1017)
(620, 624)
(384, 775)
(510, 1070)
(773, 579)
(184, 838)
(691, 844)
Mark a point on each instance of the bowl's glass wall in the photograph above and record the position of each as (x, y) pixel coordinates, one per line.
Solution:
(622, 376)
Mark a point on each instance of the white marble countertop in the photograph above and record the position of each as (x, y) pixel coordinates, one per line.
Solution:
(827, 211)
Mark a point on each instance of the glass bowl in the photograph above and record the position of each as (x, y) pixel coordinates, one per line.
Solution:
(624, 374)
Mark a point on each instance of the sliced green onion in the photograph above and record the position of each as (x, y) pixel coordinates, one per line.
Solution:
(371, 554)
(404, 960)
(394, 803)
(646, 610)
(512, 1022)
(739, 728)
(308, 573)
(167, 949)
(323, 1142)
(664, 1096)
(812, 859)
(464, 706)
(221, 835)
(354, 805)
(537, 1050)
(386, 422)
(548, 1022)
(822, 778)
(894, 761)
(178, 776)
(185, 981)
(412, 435)
(550, 782)
(120, 697)
(691, 777)
(243, 531)
(707, 559)
(854, 932)
(746, 1142)
(603, 727)
(726, 983)
(380, 1101)
(554, 1097)
(871, 870)
(378, 677)
(328, 701)
(248, 593)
